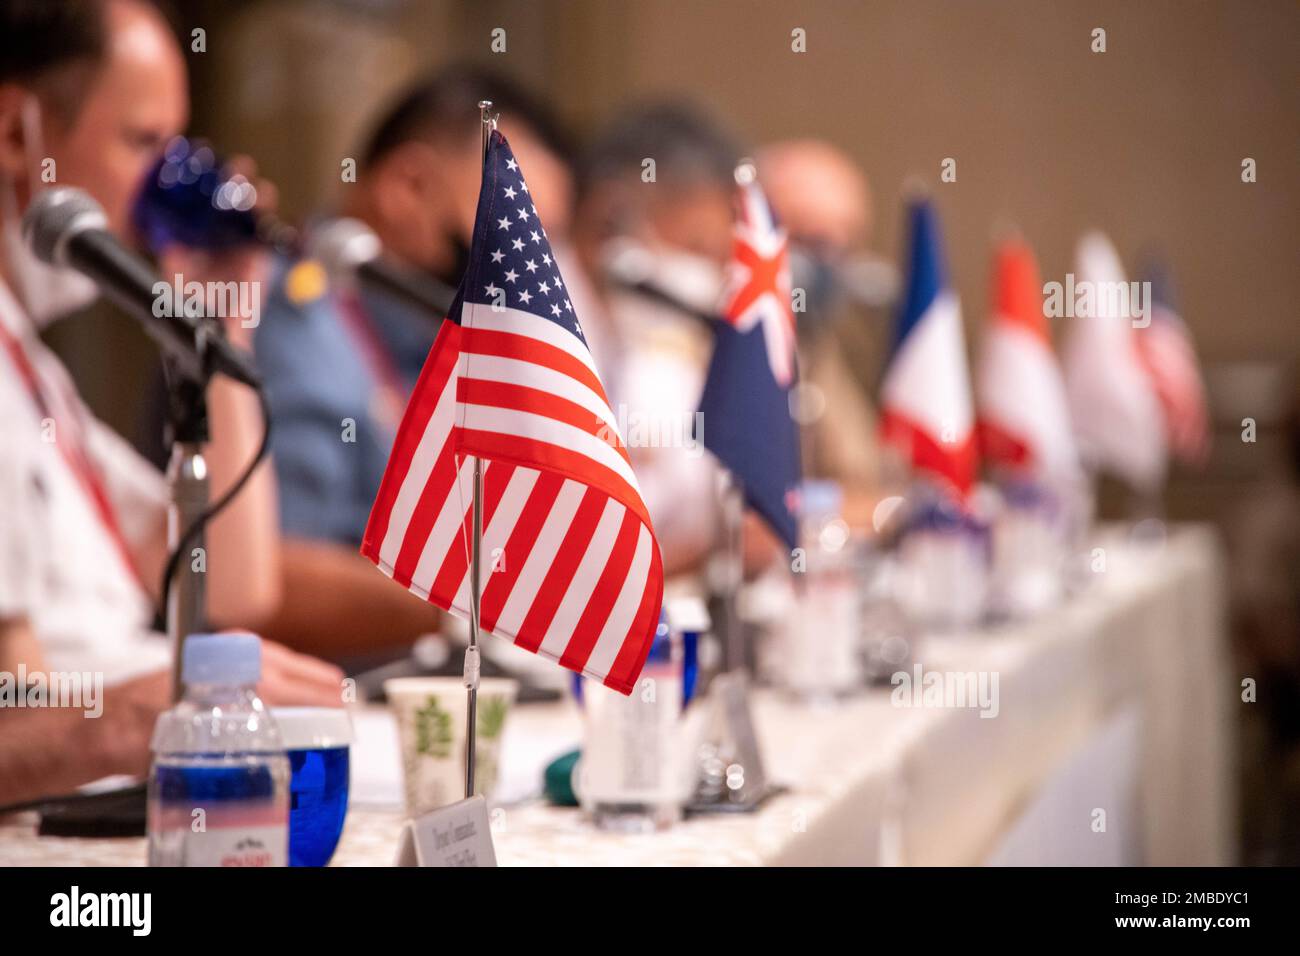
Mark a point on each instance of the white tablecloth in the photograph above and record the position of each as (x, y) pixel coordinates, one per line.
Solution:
(1120, 701)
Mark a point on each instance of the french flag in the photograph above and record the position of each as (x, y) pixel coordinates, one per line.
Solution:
(926, 408)
(1024, 417)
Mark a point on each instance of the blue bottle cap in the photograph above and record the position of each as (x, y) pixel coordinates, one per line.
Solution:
(233, 659)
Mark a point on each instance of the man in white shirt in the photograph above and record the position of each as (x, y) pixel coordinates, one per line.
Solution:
(673, 231)
(90, 91)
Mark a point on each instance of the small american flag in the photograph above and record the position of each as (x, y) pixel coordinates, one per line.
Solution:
(570, 566)
(1167, 353)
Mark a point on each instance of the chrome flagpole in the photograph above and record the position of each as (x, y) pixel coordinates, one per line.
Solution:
(733, 522)
(489, 122)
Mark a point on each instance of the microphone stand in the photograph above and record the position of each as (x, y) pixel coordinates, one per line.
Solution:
(187, 480)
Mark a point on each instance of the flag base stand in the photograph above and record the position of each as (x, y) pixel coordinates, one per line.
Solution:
(731, 777)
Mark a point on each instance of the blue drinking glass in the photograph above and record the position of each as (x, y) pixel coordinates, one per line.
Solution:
(317, 741)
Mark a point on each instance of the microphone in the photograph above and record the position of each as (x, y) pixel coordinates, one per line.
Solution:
(350, 252)
(65, 227)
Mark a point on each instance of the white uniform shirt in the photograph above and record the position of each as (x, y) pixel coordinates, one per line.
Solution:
(61, 568)
(664, 358)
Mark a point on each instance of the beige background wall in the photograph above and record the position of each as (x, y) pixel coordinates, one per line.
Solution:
(1145, 140)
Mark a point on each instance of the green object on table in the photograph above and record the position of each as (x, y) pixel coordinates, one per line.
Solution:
(559, 780)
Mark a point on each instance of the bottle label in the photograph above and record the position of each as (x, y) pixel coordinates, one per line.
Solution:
(228, 833)
(632, 749)
(238, 846)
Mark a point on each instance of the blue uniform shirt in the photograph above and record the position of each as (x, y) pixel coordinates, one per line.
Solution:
(321, 376)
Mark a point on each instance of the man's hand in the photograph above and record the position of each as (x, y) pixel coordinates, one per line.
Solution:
(121, 736)
(293, 679)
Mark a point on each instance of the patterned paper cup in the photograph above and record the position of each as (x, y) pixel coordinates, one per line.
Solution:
(430, 714)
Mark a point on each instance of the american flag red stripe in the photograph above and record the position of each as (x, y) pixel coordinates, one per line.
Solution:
(570, 566)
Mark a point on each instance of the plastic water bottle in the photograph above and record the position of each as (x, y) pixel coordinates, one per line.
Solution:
(637, 772)
(219, 785)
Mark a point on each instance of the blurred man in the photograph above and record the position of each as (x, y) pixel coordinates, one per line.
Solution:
(90, 90)
(340, 367)
(656, 213)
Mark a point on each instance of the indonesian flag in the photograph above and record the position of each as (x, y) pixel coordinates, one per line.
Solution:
(1117, 418)
(1024, 418)
(926, 409)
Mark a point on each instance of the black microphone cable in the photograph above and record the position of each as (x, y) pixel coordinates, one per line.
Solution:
(191, 533)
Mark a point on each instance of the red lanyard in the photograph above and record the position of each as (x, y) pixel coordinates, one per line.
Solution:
(391, 390)
(73, 454)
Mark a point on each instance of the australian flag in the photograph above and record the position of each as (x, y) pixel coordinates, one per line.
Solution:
(746, 402)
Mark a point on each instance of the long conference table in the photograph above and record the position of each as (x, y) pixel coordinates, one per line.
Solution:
(1112, 745)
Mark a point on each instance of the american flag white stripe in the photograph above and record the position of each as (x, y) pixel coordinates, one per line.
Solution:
(540, 558)
(431, 445)
(540, 428)
(447, 526)
(494, 368)
(485, 318)
(576, 597)
(513, 383)
(625, 607)
(497, 532)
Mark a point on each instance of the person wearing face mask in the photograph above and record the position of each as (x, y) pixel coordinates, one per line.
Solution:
(90, 90)
(340, 367)
(658, 237)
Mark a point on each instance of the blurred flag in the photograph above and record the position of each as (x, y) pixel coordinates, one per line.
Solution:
(1169, 356)
(1116, 415)
(925, 400)
(745, 405)
(570, 566)
(1023, 417)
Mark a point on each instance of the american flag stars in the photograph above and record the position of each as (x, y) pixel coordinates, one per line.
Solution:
(522, 270)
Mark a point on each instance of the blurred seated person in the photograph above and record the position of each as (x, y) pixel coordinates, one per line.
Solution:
(91, 90)
(672, 230)
(339, 367)
(824, 201)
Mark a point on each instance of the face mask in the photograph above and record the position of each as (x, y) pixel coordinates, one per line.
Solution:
(691, 279)
(816, 277)
(46, 292)
(694, 279)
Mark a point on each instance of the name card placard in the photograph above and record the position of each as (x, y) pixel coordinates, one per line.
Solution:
(455, 835)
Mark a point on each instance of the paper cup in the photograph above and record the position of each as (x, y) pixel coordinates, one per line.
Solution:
(430, 713)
